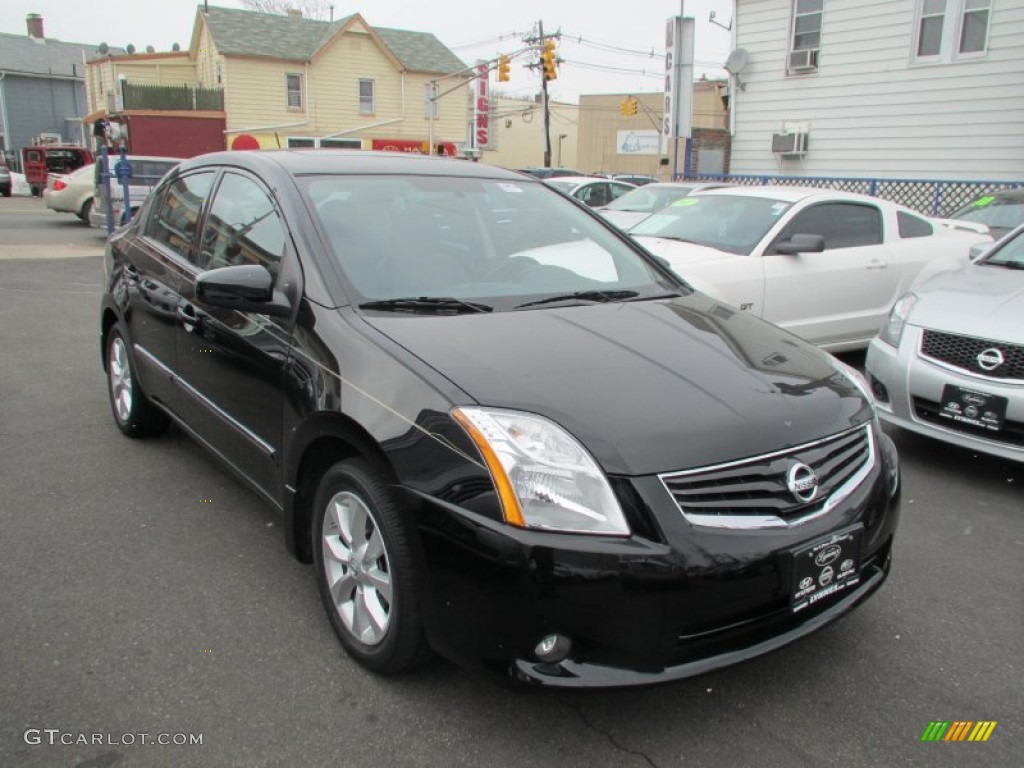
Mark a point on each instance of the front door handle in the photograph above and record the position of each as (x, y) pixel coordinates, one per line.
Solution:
(878, 264)
(189, 319)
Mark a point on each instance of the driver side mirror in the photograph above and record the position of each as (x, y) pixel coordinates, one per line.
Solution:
(800, 244)
(245, 287)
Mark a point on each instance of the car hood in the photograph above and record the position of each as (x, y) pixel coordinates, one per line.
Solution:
(987, 302)
(682, 254)
(646, 386)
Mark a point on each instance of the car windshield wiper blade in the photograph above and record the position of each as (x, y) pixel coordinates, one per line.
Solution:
(1005, 264)
(595, 296)
(426, 304)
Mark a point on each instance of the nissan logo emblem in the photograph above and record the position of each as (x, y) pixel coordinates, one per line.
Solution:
(990, 359)
(802, 482)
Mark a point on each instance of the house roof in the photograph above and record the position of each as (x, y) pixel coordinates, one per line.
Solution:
(250, 33)
(27, 55)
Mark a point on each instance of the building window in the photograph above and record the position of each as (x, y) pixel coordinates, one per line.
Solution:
(301, 143)
(341, 143)
(220, 72)
(366, 97)
(806, 38)
(294, 91)
(950, 29)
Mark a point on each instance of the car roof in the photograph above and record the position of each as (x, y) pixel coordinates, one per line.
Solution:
(315, 162)
(582, 179)
(791, 194)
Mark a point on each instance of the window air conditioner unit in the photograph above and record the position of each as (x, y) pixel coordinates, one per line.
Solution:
(789, 143)
(114, 103)
(803, 61)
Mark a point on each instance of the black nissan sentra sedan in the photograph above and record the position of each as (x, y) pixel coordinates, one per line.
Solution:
(497, 427)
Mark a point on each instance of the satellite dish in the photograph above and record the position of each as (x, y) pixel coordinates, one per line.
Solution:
(130, 48)
(736, 62)
(104, 49)
(176, 47)
(150, 49)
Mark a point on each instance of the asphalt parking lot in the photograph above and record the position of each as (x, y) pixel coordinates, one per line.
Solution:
(146, 592)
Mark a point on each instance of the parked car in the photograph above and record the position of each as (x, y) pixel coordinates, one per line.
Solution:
(147, 170)
(593, 192)
(826, 265)
(635, 206)
(6, 185)
(949, 363)
(70, 192)
(997, 213)
(549, 173)
(40, 160)
(496, 426)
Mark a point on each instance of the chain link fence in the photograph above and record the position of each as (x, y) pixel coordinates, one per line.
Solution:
(931, 197)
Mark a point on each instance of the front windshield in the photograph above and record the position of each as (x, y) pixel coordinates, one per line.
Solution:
(498, 243)
(1011, 254)
(993, 211)
(647, 199)
(730, 223)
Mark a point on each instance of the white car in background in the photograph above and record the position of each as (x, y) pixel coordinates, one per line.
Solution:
(949, 363)
(594, 192)
(70, 192)
(826, 265)
(636, 205)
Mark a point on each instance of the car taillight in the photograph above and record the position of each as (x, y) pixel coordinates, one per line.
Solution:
(59, 184)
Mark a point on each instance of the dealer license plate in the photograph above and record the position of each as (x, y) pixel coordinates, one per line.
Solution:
(826, 568)
(977, 409)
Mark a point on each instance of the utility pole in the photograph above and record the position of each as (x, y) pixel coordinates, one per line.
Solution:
(547, 112)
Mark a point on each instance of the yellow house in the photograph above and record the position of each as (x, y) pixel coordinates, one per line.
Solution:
(292, 81)
(289, 81)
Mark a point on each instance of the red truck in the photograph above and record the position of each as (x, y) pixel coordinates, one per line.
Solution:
(38, 161)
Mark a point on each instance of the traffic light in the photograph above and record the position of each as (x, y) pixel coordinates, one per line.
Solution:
(628, 106)
(504, 67)
(632, 105)
(548, 60)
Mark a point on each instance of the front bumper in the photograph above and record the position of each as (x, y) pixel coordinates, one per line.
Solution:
(911, 393)
(640, 610)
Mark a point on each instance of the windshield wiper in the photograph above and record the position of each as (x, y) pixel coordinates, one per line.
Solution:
(595, 296)
(426, 304)
(1006, 264)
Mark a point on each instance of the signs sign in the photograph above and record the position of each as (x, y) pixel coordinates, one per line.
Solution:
(481, 108)
(678, 78)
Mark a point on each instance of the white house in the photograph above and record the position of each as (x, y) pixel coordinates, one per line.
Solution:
(912, 89)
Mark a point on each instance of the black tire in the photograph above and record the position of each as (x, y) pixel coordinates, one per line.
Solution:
(357, 491)
(6, 190)
(86, 210)
(133, 413)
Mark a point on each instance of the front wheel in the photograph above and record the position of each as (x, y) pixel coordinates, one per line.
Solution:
(365, 569)
(134, 414)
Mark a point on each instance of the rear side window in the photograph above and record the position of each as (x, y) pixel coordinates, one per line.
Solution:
(175, 217)
(913, 226)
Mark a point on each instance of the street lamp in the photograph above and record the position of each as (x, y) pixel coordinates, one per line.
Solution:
(560, 137)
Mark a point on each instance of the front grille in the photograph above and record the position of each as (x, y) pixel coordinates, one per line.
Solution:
(962, 352)
(1012, 432)
(753, 493)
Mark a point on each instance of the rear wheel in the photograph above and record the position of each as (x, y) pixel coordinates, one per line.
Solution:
(365, 569)
(86, 210)
(134, 414)
(6, 190)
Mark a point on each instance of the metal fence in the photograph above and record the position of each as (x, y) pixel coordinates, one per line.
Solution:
(931, 197)
(172, 97)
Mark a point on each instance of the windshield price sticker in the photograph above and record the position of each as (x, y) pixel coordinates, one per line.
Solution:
(510, 188)
(826, 568)
(981, 202)
(685, 202)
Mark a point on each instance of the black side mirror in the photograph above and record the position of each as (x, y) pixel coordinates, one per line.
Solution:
(246, 287)
(801, 244)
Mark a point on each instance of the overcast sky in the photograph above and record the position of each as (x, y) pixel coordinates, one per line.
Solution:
(482, 29)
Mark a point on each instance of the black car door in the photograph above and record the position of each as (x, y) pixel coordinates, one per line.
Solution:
(152, 266)
(231, 362)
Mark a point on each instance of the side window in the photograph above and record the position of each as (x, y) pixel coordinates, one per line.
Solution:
(175, 217)
(913, 226)
(843, 225)
(243, 227)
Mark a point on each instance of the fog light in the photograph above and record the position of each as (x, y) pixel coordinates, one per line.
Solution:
(879, 391)
(553, 648)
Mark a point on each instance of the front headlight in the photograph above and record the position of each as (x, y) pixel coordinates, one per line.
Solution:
(545, 478)
(892, 331)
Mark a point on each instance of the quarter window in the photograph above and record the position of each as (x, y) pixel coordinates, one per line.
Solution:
(842, 225)
(174, 220)
(950, 29)
(294, 84)
(366, 97)
(913, 226)
(243, 227)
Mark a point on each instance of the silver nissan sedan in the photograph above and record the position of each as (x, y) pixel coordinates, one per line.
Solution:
(949, 363)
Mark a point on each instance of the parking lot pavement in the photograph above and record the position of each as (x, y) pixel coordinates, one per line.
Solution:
(29, 230)
(145, 591)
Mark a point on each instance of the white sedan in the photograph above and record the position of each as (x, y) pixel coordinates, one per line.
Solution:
(825, 265)
(593, 191)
